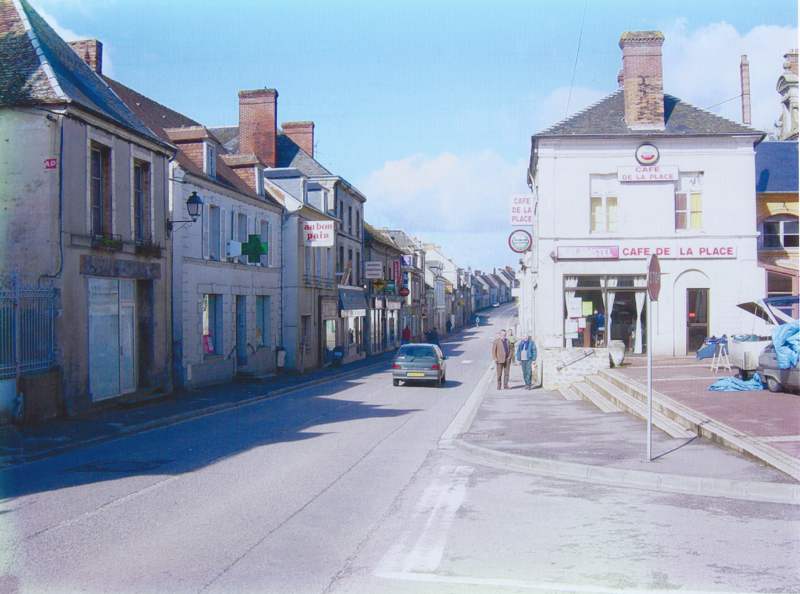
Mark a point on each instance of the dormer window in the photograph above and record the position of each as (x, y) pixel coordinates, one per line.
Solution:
(210, 160)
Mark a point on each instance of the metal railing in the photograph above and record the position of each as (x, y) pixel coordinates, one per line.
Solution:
(27, 330)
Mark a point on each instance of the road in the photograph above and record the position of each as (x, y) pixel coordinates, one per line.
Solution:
(343, 488)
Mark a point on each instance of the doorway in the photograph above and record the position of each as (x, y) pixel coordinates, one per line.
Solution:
(241, 330)
(696, 319)
(112, 337)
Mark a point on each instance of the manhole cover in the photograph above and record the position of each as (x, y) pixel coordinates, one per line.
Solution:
(121, 466)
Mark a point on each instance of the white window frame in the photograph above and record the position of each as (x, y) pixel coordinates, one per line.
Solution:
(781, 220)
(604, 188)
(690, 183)
(209, 159)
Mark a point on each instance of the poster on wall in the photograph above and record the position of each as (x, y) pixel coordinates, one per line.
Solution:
(573, 307)
(319, 233)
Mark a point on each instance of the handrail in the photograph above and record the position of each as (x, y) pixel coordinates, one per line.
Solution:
(585, 355)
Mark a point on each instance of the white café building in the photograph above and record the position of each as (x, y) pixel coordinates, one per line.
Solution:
(641, 173)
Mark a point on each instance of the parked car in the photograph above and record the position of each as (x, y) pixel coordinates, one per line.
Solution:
(495, 304)
(419, 363)
(745, 351)
(777, 380)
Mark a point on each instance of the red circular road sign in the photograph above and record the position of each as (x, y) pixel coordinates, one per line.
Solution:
(404, 292)
(520, 241)
(653, 278)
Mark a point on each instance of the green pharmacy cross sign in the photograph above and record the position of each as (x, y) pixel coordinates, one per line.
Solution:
(254, 248)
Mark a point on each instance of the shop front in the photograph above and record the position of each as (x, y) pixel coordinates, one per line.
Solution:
(393, 328)
(353, 313)
(328, 313)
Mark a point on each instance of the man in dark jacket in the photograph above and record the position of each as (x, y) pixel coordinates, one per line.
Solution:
(526, 355)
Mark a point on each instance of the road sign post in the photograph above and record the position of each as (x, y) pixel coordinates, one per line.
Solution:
(653, 289)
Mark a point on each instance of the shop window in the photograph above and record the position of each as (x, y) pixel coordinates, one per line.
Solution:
(689, 202)
(263, 319)
(212, 324)
(779, 233)
(101, 190)
(141, 201)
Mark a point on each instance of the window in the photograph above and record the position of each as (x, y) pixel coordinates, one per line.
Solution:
(689, 202)
(242, 220)
(358, 223)
(307, 260)
(340, 263)
(264, 236)
(214, 233)
(329, 262)
(357, 275)
(779, 232)
(779, 284)
(263, 319)
(350, 265)
(101, 190)
(350, 220)
(141, 201)
(212, 325)
(603, 204)
(210, 160)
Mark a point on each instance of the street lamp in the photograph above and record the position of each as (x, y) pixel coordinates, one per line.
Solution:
(193, 205)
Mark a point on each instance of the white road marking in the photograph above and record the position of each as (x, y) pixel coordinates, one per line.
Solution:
(416, 576)
(466, 362)
(439, 502)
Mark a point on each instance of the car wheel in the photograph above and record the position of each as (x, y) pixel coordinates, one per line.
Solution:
(395, 382)
(774, 385)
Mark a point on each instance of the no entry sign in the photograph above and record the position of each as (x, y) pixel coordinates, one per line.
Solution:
(653, 279)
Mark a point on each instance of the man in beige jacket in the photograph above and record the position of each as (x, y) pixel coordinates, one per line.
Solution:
(502, 354)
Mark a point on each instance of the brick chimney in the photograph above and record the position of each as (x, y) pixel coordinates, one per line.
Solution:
(744, 77)
(302, 134)
(258, 123)
(91, 52)
(642, 79)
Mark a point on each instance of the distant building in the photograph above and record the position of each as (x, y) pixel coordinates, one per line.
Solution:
(787, 124)
(383, 331)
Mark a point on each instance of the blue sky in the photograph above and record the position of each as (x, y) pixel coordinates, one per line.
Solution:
(428, 107)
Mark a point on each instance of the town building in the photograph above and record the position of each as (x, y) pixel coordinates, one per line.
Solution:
(86, 227)
(225, 303)
(414, 314)
(383, 277)
(643, 173)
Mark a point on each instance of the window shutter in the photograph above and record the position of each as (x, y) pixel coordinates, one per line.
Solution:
(223, 250)
(206, 214)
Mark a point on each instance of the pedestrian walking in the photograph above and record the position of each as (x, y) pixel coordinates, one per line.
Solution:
(449, 326)
(502, 355)
(526, 355)
(405, 337)
(434, 336)
(512, 341)
(477, 321)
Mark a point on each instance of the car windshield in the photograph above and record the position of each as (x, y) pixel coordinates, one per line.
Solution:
(416, 351)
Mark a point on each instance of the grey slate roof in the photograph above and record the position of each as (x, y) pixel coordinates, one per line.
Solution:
(776, 166)
(289, 154)
(607, 118)
(26, 54)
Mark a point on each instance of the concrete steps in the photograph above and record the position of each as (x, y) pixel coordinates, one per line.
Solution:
(713, 430)
(569, 394)
(587, 392)
(638, 408)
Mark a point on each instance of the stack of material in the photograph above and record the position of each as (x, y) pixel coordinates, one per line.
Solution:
(786, 340)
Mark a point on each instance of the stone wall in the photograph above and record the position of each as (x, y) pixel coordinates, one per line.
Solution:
(556, 372)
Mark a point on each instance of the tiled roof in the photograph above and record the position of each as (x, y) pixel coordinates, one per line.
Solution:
(289, 153)
(402, 240)
(160, 118)
(379, 236)
(38, 67)
(607, 118)
(776, 166)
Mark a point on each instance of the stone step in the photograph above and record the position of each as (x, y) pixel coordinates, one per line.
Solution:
(636, 407)
(587, 392)
(569, 394)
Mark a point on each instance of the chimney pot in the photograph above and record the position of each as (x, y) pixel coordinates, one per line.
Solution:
(301, 133)
(258, 124)
(91, 52)
(744, 77)
(643, 79)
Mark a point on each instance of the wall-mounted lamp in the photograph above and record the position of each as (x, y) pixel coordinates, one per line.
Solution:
(193, 205)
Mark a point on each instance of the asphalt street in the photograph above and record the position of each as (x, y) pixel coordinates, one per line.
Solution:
(343, 487)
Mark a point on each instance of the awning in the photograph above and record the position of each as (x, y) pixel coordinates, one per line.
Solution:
(353, 303)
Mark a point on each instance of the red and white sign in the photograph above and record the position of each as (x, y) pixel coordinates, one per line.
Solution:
(653, 278)
(396, 271)
(50, 163)
(319, 233)
(520, 241)
(647, 154)
(587, 252)
(521, 210)
(648, 173)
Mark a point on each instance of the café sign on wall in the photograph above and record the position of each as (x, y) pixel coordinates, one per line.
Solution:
(680, 251)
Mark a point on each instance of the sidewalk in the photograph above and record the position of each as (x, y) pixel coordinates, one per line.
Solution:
(545, 433)
(23, 444)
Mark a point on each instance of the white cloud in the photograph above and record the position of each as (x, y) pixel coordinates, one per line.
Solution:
(702, 67)
(459, 201)
(68, 34)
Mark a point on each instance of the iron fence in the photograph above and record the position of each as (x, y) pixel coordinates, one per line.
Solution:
(27, 330)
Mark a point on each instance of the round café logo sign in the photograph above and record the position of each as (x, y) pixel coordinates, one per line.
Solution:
(520, 241)
(647, 154)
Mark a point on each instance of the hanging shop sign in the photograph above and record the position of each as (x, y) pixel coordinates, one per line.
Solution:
(647, 154)
(378, 285)
(404, 292)
(391, 287)
(521, 210)
(319, 233)
(396, 270)
(373, 270)
(520, 241)
(648, 173)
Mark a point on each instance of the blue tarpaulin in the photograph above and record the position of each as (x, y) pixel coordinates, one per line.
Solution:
(786, 340)
(734, 384)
